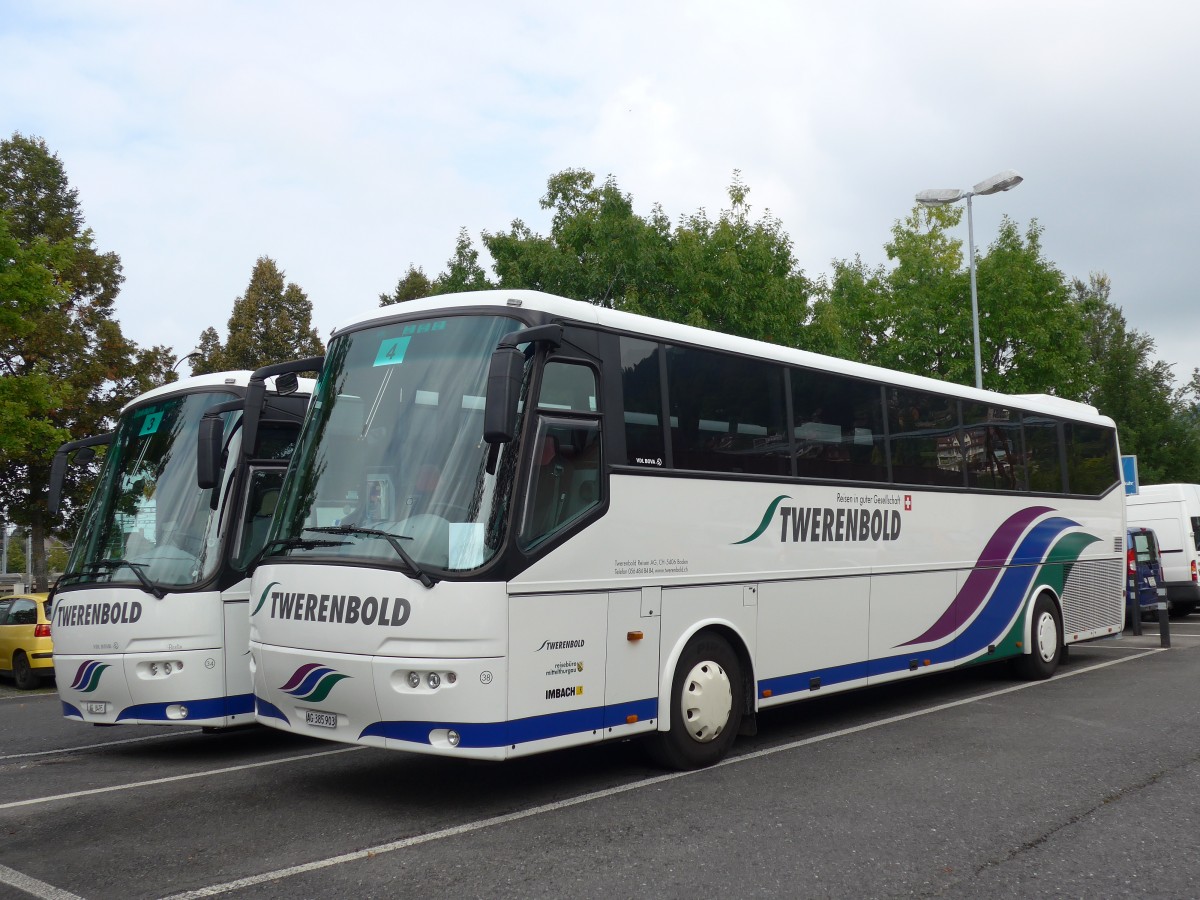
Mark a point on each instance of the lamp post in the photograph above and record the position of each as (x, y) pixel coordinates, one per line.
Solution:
(1001, 181)
(191, 355)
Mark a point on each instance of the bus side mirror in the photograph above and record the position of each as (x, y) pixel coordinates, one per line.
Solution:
(208, 452)
(503, 392)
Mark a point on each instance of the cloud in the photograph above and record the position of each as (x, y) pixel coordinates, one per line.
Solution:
(348, 142)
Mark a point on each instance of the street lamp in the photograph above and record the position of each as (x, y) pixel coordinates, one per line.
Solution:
(192, 355)
(1001, 181)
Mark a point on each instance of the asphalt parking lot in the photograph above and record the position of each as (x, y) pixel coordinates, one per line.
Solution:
(966, 784)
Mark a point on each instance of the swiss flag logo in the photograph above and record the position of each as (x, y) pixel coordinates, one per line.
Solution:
(908, 502)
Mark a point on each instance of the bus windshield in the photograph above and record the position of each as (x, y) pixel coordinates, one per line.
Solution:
(147, 520)
(391, 464)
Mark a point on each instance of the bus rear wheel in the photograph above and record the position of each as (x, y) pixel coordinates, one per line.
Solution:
(707, 701)
(1045, 642)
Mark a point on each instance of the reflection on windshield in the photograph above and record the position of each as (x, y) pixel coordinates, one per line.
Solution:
(147, 510)
(392, 454)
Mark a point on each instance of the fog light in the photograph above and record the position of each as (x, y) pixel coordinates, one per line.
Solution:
(177, 711)
(153, 669)
(451, 678)
(435, 680)
(167, 668)
(453, 737)
(414, 680)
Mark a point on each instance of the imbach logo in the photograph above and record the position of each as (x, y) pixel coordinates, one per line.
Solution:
(339, 608)
(815, 524)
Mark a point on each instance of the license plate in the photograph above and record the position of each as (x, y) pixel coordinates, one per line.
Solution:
(1150, 581)
(96, 708)
(320, 719)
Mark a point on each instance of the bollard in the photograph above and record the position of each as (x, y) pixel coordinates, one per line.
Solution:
(1135, 610)
(1164, 627)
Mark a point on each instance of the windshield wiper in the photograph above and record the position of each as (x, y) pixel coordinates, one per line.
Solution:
(394, 539)
(298, 543)
(136, 568)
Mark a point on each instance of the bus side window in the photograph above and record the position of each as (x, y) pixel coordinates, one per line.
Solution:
(565, 481)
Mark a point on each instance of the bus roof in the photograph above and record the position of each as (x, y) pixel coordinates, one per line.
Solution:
(673, 332)
(214, 380)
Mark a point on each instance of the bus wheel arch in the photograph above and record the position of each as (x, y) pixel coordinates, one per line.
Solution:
(706, 700)
(1044, 638)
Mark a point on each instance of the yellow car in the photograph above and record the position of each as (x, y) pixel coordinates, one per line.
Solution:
(26, 650)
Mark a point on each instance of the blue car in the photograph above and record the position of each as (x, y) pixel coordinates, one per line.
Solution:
(1143, 572)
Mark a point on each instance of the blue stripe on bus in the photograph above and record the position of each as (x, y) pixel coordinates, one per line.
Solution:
(266, 710)
(210, 708)
(69, 710)
(519, 731)
(987, 629)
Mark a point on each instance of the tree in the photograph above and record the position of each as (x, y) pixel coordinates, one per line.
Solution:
(1125, 381)
(270, 323)
(413, 286)
(67, 358)
(916, 317)
(733, 274)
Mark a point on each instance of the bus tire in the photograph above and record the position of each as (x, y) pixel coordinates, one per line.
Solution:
(23, 674)
(707, 700)
(1045, 642)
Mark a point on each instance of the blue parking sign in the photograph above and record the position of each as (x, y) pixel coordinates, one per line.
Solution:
(1129, 473)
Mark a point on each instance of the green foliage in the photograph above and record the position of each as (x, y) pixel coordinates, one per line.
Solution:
(413, 286)
(270, 323)
(731, 274)
(1124, 381)
(1038, 333)
(68, 365)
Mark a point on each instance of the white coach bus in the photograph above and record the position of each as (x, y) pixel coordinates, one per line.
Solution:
(150, 618)
(516, 522)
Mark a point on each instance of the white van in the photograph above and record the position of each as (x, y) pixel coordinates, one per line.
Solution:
(1173, 511)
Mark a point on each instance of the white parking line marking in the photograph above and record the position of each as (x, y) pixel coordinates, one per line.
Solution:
(138, 784)
(136, 740)
(30, 885)
(481, 824)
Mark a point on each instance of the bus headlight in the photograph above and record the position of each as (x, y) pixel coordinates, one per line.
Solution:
(453, 737)
(435, 680)
(414, 680)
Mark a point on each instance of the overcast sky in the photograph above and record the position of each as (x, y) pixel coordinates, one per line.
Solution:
(347, 140)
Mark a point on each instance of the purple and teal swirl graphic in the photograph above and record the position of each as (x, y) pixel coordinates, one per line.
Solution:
(87, 679)
(312, 682)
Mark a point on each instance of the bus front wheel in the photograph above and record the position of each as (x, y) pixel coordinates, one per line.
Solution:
(706, 705)
(1045, 642)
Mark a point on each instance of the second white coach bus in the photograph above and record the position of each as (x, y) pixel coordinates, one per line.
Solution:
(516, 522)
(150, 618)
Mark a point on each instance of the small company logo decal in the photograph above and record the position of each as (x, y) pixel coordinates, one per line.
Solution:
(312, 682)
(908, 502)
(88, 677)
(560, 645)
(563, 693)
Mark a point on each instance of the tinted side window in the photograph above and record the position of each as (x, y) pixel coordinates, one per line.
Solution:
(1196, 530)
(992, 445)
(1041, 453)
(641, 389)
(838, 427)
(925, 441)
(1092, 465)
(727, 413)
